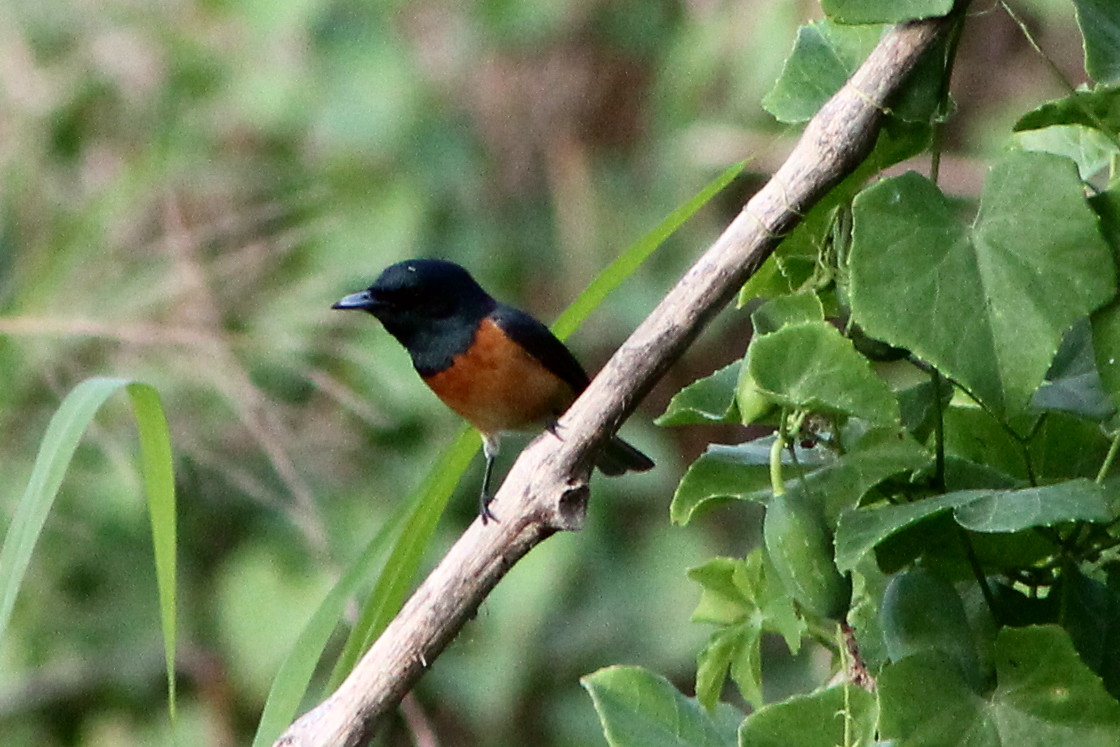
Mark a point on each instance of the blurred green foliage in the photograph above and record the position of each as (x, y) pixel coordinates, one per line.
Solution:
(186, 186)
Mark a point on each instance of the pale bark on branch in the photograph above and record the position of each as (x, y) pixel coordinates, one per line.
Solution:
(546, 489)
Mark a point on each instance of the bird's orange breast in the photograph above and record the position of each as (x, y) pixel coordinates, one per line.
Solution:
(496, 385)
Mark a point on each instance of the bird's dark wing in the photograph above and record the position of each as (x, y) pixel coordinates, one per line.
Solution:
(541, 344)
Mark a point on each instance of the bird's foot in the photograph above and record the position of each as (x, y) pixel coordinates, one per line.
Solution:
(484, 511)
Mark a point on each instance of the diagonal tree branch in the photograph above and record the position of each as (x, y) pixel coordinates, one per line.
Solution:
(546, 489)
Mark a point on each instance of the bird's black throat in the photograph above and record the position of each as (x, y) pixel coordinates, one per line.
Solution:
(432, 343)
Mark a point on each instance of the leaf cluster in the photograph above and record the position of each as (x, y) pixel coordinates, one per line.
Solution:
(941, 383)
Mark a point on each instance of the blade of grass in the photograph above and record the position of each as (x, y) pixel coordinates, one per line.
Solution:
(291, 681)
(57, 447)
(429, 501)
(417, 517)
(630, 260)
(157, 467)
(56, 450)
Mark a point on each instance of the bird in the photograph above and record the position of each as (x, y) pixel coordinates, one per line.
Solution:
(498, 367)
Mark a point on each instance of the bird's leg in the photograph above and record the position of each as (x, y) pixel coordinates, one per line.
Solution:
(490, 446)
(554, 429)
(485, 497)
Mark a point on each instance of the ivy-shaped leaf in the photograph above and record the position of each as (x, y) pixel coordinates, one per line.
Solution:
(1100, 27)
(707, 400)
(876, 11)
(986, 304)
(638, 708)
(1044, 695)
(845, 714)
(812, 366)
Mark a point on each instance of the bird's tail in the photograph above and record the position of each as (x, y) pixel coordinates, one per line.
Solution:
(618, 457)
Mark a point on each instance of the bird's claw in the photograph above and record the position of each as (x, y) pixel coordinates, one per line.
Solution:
(484, 511)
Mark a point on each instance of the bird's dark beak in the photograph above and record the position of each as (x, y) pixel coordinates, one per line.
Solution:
(363, 301)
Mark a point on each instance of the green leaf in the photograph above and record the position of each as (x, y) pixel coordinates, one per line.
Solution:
(841, 715)
(874, 350)
(877, 11)
(920, 403)
(741, 472)
(1090, 149)
(1094, 109)
(824, 56)
(1066, 447)
(1106, 344)
(812, 366)
(925, 700)
(778, 612)
(1107, 206)
(923, 612)
(869, 583)
(1072, 384)
(987, 305)
(55, 452)
(1062, 447)
(1041, 678)
(734, 590)
(720, 474)
(1044, 696)
(990, 511)
(796, 260)
(1106, 321)
(745, 599)
(723, 598)
(778, 312)
(1090, 613)
(1015, 510)
(938, 541)
(733, 649)
(775, 277)
(158, 470)
(974, 435)
(707, 400)
(1100, 28)
(859, 531)
(640, 709)
(961, 474)
(751, 403)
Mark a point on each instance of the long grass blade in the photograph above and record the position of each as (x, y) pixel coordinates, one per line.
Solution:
(291, 681)
(630, 260)
(56, 450)
(157, 467)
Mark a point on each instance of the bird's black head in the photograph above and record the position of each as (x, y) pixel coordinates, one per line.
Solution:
(424, 303)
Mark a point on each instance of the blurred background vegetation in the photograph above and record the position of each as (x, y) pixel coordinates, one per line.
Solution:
(185, 188)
